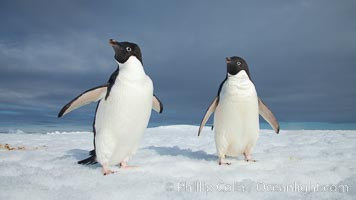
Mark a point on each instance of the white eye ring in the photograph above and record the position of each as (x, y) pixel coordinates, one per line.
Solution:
(238, 63)
(128, 49)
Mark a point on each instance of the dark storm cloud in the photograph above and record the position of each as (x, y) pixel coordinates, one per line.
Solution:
(301, 53)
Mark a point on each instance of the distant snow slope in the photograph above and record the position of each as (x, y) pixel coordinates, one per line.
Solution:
(175, 163)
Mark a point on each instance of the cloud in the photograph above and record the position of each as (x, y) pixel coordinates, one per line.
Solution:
(300, 53)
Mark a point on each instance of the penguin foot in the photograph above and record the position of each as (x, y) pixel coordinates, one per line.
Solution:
(108, 171)
(223, 162)
(248, 158)
(124, 165)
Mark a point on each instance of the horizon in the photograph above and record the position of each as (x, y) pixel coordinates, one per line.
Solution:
(60, 127)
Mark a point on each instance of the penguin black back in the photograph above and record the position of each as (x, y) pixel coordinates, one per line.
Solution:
(111, 82)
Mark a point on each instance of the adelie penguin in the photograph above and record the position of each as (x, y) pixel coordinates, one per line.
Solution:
(123, 109)
(237, 108)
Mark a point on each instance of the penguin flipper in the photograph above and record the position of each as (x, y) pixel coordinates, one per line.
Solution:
(208, 112)
(267, 114)
(157, 104)
(92, 95)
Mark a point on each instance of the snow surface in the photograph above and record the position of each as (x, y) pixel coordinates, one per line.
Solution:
(176, 164)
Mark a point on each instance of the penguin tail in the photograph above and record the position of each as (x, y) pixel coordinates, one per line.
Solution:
(90, 160)
(92, 152)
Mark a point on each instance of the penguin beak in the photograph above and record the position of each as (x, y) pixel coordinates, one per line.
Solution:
(228, 60)
(113, 42)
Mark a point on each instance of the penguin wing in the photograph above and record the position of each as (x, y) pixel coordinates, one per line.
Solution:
(209, 111)
(157, 104)
(267, 114)
(92, 95)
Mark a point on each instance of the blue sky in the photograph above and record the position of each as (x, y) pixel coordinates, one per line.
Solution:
(301, 54)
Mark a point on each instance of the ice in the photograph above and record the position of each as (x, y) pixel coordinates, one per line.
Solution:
(175, 163)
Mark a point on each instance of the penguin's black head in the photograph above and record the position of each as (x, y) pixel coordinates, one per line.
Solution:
(236, 64)
(123, 51)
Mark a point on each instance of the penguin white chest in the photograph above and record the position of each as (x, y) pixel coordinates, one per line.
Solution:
(236, 119)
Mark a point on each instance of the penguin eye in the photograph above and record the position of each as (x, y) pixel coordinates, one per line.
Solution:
(128, 49)
(238, 63)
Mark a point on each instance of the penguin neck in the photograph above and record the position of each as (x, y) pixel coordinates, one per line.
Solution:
(132, 69)
(239, 78)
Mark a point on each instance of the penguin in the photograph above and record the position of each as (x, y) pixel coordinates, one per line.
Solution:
(237, 108)
(123, 109)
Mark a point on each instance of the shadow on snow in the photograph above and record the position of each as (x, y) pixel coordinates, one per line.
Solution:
(176, 151)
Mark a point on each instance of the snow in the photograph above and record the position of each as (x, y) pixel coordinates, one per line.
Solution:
(175, 163)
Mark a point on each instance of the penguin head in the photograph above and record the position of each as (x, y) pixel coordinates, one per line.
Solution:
(124, 50)
(235, 65)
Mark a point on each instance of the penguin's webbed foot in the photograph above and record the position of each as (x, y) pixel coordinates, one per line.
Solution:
(107, 171)
(124, 165)
(248, 158)
(223, 162)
